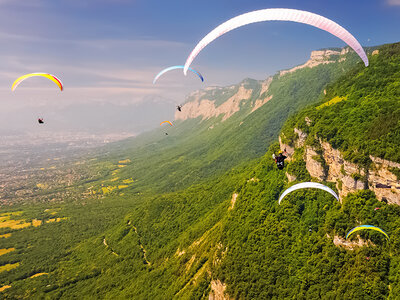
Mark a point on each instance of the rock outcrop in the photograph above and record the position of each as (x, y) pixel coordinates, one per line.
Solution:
(317, 58)
(289, 149)
(350, 245)
(263, 98)
(233, 200)
(314, 167)
(203, 103)
(290, 177)
(217, 291)
(328, 164)
(375, 52)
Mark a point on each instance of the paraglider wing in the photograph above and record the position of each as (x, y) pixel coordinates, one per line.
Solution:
(174, 68)
(168, 122)
(369, 227)
(48, 76)
(279, 14)
(307, 185)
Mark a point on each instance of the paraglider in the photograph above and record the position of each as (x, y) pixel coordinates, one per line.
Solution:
(280, 159)
(179, 107)
(368, 227)
(307, 185)
(53, 78)
(174, 68)
(166, 122)
(279, 14)
(46, 75)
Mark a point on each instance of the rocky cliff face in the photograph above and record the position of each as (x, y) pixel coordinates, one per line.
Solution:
(262, 99)
(226, 101)
(206, 108)
(218, 291)
(348, 244)
(317, 58)
(327, 164)
(204, 104)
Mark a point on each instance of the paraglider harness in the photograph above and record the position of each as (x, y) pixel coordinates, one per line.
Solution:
(40, 120)
(179, 107)
(280, 160)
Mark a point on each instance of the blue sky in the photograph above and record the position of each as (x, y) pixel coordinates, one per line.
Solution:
(108, 51)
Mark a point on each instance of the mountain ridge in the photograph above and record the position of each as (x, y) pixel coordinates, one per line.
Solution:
(206, 103)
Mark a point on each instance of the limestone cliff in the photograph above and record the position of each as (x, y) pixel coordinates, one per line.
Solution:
(348, 244)
(206, 103)
(218, 291)
(226, 101)
(327, 164)
(317, 58)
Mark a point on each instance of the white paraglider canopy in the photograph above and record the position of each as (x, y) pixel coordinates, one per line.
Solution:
(308, 185)
(279, 14)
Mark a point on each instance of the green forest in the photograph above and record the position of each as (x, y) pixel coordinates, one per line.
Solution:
(170, 218)
(366, 120)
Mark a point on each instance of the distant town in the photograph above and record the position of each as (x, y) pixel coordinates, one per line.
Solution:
(40, 168)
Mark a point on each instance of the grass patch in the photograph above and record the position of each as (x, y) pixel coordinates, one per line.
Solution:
(8, 267)
(42, 186)
(36, 222)
(125, 161)
(13, 224)
(108, 189)
(4, 287)
(38, 274)
(130, 180)
(334, 100)
(4, 251)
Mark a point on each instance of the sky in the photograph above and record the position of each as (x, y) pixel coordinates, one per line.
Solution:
(107, 52)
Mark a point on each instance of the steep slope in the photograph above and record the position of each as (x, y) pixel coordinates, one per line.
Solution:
(353, 137)
(201, 216)
(219, 128)
(298, 249)
(190, 244)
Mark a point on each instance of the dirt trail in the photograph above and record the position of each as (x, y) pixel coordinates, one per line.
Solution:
(112, 251)
(141, 245)
(144, 255)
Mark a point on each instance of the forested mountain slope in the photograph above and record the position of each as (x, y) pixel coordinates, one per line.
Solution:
(220, 127)
(206, 220)
(352, 137)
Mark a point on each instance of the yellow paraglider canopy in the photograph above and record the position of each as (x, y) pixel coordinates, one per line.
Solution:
(370, 227)
(46, 75)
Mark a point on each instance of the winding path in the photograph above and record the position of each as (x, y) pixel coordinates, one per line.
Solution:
(141, 246)
(112, 251)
